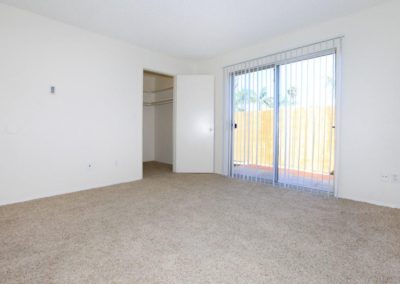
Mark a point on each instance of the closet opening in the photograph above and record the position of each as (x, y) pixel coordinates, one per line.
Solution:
(158, 98)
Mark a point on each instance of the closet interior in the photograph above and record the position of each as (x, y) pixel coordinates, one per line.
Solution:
(158, 96)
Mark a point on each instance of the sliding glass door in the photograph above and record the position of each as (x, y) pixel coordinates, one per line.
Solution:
(283, 122)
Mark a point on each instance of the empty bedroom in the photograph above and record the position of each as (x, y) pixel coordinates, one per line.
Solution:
(199, 141)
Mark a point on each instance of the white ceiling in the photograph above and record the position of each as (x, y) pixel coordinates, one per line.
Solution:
(192, 28)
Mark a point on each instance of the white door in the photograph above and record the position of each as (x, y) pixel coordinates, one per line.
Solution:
(194, 124)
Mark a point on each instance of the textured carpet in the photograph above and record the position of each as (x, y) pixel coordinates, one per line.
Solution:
(187, 228)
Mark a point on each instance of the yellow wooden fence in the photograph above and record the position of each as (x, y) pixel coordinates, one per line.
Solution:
(306, 141)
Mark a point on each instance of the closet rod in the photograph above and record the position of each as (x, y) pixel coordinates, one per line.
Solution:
(158, 91)
(163, 102)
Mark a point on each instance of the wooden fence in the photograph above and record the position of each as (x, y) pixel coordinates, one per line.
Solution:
(306, 138)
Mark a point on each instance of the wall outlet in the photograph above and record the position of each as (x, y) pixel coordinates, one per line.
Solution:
(385, 177)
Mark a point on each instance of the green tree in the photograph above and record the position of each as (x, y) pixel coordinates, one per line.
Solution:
(265, 100)
(243, 98)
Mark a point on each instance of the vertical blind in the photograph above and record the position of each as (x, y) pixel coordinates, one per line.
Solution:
(281, 113)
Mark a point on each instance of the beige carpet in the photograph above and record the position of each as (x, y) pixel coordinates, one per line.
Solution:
(186, 228)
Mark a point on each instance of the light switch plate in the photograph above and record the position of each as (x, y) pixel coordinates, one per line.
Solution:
(385, 177)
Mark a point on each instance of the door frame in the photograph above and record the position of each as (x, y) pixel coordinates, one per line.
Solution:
(145, 69)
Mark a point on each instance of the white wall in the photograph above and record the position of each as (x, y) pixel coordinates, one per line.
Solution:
(370, 136)
(163, 133)
(47, 142)
(148, 133)
(149, 83)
